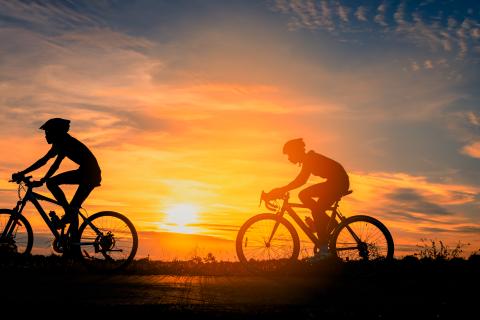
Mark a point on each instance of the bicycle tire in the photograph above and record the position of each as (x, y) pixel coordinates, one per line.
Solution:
(100, 260)
(27, 230)
(377, 247)
(269, 262)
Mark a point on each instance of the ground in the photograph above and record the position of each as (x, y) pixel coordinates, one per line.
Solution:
(408, 288)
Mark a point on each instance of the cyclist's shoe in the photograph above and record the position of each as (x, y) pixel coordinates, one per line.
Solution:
(321, 255)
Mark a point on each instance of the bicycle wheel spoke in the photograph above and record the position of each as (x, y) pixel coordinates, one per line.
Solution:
(263, 246)
(372, 240)
(113, 245)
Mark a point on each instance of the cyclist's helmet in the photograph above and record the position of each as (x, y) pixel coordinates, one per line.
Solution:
(294, 145)
(56, 125)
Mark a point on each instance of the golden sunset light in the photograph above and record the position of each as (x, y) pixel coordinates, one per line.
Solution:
(186, 108)
(240, 159)
(179, 217)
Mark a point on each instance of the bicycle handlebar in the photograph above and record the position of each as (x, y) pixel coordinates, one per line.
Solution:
(27, 180)
(268, 201)
(24, 179)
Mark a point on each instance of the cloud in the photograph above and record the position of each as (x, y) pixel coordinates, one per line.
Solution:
(473, 229)
(417, 25)
(413, 201)
(79, 75)
(428, 64)
(467, 229)
(475, 32)
(411, 205)
(399, 17)
(343, 12)
(52, 17)
(415, 66)
(473, 118)
(472, 150)
(361, 13)
(413, 196)
(380, 16)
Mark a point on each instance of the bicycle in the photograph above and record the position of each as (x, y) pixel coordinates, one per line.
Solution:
(106, 240)
(267, 239)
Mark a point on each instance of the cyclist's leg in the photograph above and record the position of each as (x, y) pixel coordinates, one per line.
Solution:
(53, 183)
(327, 194)
(79, 197)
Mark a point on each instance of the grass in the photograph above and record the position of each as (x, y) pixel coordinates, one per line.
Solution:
(430, 253)
(209, 266)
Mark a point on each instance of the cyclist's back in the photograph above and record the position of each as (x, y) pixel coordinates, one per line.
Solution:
(76, 151)
(321, 166)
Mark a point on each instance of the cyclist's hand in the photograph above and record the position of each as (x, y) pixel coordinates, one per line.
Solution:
(276, 193)
(17, 176)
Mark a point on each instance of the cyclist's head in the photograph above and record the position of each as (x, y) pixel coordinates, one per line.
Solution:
(54, 128)
(295, 149)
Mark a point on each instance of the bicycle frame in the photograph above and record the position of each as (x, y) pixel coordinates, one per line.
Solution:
(288, 208)
(34, 198)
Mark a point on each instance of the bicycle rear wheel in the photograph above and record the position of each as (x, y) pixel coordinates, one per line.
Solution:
(20, 241)
(108, 241)
(362, 238)
(261, 249)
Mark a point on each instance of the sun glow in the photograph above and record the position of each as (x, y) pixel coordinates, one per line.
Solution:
(179, 217)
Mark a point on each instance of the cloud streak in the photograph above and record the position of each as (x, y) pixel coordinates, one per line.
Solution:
(417, 25)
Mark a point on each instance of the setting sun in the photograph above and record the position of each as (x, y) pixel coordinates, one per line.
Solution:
(179, 216)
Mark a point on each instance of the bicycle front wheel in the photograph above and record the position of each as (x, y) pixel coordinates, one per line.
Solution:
(20, 240)
(362, 238)
(266, 242)
(107, 241)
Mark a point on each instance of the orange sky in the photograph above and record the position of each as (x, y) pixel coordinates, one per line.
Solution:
(192, 114)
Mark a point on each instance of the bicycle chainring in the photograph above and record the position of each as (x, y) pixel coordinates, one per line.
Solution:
(105, 242)
(57, 246)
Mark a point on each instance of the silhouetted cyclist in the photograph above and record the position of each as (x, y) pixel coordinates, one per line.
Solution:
(328, 192)
(87, 176)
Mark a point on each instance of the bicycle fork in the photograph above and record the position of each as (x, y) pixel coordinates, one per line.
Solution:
(275, 227)
(12, 222)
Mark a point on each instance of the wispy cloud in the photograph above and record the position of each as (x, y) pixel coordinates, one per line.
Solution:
(413, 201)
(52, 17)
(410, 205)
(380, 16)
(472, 150)
(415, 24)
(399, 17)
(343, 12)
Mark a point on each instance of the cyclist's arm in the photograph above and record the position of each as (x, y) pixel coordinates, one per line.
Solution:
(299, 181)
(41, 162)
(53, 168)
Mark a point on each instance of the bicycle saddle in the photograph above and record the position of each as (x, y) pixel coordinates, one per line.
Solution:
(343, 195)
